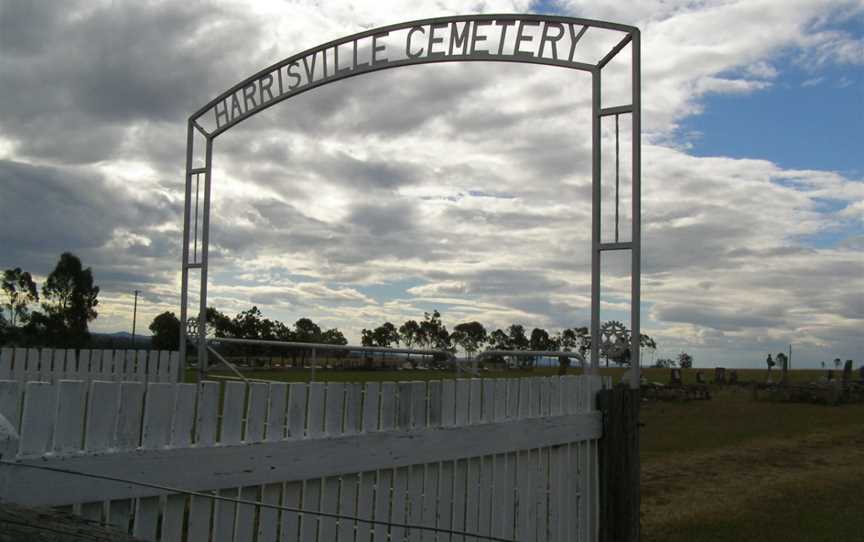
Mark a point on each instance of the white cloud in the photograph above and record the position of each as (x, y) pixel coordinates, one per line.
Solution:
(464, 187)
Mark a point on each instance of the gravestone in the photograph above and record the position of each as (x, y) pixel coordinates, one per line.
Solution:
(675, 377)
(700, 378)
(784, 370)
(719, 375)
(733, 377)
(847, 372)
(829, 376)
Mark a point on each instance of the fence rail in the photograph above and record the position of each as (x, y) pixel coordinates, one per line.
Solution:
(53, 365)
(513, 458)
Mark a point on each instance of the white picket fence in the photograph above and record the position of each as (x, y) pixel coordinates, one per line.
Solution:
(511, 458)
(53, 365)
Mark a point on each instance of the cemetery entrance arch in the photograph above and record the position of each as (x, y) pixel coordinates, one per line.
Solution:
(566, 42)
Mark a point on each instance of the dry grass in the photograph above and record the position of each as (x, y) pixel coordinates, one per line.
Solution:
(734, 469)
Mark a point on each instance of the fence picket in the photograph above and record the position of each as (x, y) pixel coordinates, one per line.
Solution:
(43, 371)
(10, 402)
(289, 526)
(277, 412)
(70, 366)
(37, 421)
(256, 413)
(206, 427)
(153, 367)
(543, 494)
(366, 485)
(156, 433)
(297, 410)
(181, 437)
(126, 437)
(312, 488)
(70, 416)
(164, 367)
(268, 518)
(230, 433)
(383, 487)
(350, 482)
(6, 356)
(329, 504)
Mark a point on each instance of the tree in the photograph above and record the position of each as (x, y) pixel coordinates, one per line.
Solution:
(499, 340)
(249, 324)
(333, 336)
(570, 339)
(470, 336)
(518, 340)
(386, 335)
(409, 333)
(665, 363)
(20, 291)
(166, 332)
(69, 298)
(837, 363)
(540, 340)
(367, 337)
(433, 333)
(219, 324)
(307, 331)
(685, 360)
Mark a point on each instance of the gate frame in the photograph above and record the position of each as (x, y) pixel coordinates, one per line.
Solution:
(631, 37)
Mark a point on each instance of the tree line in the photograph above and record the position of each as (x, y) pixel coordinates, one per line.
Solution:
(248, 324)
(68, 301)
(473, 337)
(429, 333)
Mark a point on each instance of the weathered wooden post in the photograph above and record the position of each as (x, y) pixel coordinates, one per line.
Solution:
(619, 464)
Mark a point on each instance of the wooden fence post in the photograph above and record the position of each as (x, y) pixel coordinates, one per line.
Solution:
(619, 464)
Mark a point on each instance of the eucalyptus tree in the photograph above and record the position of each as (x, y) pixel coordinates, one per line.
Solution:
(470, 336)
(19, 291)
(69, 298)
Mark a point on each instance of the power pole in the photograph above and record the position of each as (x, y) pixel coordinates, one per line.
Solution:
(134, 317)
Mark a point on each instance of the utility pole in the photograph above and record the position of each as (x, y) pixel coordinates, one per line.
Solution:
(134, 317)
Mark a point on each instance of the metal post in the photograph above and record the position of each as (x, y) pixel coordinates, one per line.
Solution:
(134, 317)
(595, 221)
(636, 202)
(184, 267)
(205, 248)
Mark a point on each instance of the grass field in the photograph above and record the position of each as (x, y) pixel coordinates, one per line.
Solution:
(729, 469)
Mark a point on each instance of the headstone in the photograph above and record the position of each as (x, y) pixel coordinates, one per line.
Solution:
(829, 375)
(625, 378)
(719, 375)
(847, 372)
(675, 377)
(784, 369)
(733, 377)
(700, 378)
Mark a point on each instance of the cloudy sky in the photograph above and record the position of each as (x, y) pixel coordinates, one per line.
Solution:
(461, 187)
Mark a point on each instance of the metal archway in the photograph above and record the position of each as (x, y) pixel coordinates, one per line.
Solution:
(532, 39)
